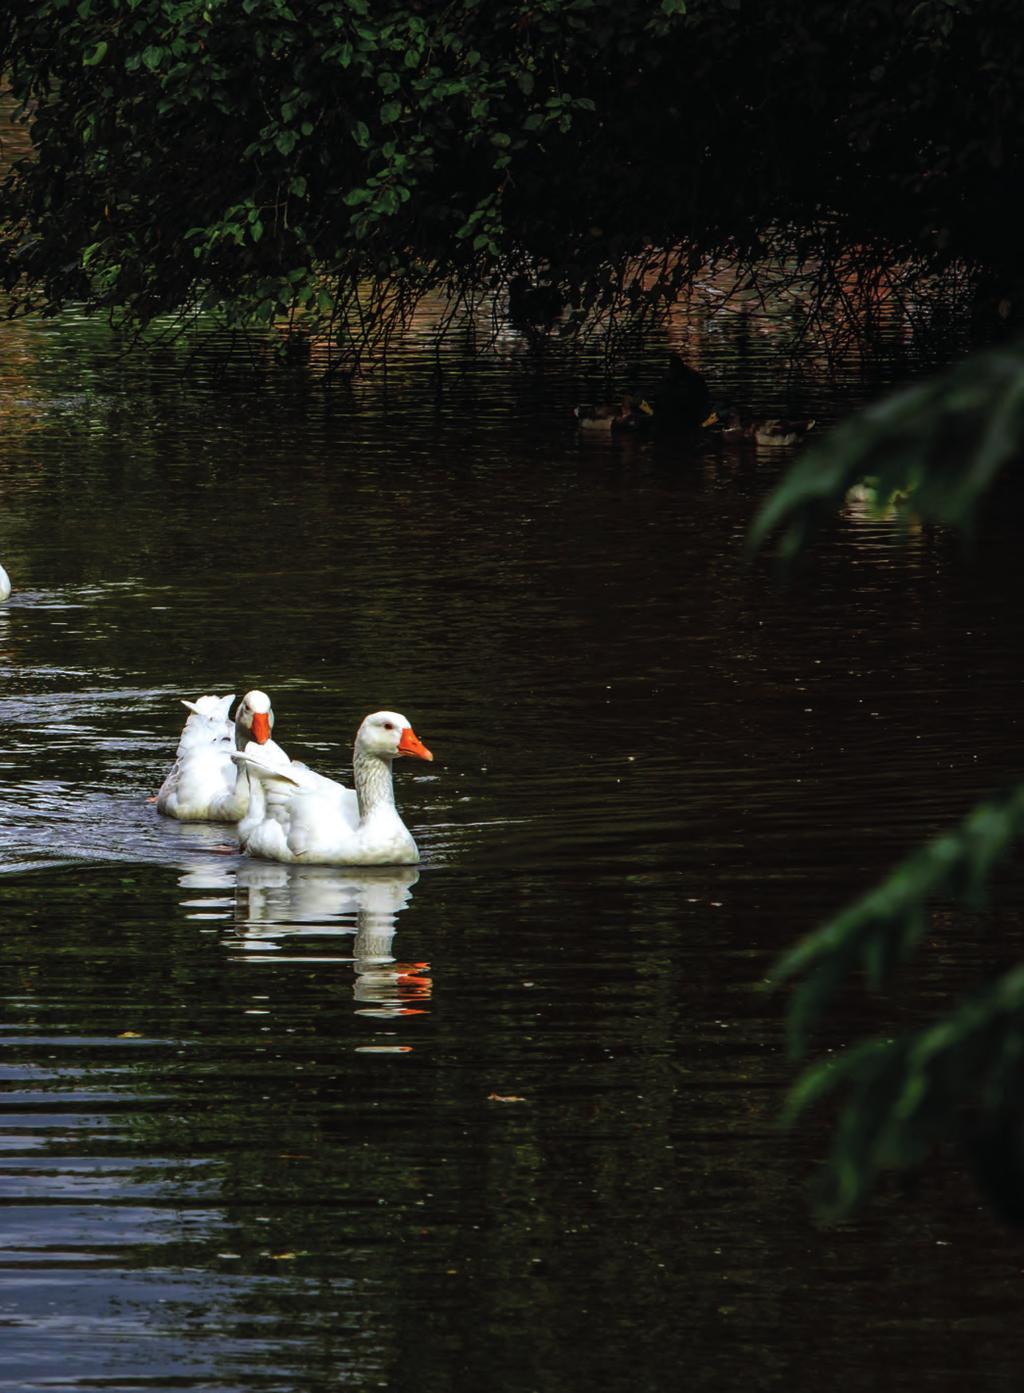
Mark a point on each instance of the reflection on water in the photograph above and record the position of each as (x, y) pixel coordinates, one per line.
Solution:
(318, 914)
(248, 1143)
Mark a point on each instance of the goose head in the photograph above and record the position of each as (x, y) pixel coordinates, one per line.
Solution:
(388, 735)
(254, 719)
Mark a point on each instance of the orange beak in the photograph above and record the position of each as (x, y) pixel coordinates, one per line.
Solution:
(411, 744)
(261, 727)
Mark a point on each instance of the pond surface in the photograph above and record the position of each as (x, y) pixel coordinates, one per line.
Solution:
(506, 1121)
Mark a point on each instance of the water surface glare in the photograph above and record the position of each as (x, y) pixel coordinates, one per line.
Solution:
(505, 1121)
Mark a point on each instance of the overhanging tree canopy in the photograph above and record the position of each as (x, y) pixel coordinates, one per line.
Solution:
(268, 155)
(946, 449)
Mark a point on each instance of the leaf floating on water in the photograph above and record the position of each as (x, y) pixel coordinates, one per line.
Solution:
(130, 1035)
(505, 1098)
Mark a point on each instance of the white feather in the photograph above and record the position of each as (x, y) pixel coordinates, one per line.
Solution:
(300, 815)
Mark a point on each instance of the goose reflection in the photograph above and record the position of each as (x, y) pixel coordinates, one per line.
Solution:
(275, 906)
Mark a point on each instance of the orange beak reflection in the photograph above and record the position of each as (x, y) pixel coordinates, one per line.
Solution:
(261, 727)
(411, 744)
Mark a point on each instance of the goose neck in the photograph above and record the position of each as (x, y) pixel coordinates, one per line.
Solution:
(372, 778)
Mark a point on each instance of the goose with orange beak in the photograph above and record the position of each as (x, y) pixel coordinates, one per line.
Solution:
(203, 785)
(312, 820)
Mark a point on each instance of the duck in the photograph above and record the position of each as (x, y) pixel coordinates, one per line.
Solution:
(5, 585)
(310, 819)
(682, 400)
(533, 308)
(631, 412)
(202, 784)
(869, 496)
(770, 431)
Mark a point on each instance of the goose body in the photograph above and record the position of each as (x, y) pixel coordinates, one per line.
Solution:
(307, 818)
(203, 785)
(5, 585)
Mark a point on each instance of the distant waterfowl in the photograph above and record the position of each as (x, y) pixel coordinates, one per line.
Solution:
(769, 431)
(533, 308)
(682, 400)
(203, 785)
(631, 412)
(5, 585)
(313, 820)
(868, 497)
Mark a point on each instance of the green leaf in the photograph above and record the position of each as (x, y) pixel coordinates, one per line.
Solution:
(936, 447)
(96, 54)
(286, 141)
(887, 923)
(361, 134)
(390, 112)
(900, 1098)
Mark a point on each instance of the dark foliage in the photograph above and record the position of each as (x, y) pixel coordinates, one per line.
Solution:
(935, 452)
(333, 158)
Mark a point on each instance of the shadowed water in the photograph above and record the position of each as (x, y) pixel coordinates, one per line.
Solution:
(506, 1121)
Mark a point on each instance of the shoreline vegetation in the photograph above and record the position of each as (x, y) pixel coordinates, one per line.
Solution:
(572, 169)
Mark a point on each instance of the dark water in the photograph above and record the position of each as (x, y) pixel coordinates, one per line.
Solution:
(505, 1122)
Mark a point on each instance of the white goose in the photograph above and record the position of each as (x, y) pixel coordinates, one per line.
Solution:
(301, 816)
(203, 785)
(5, 585)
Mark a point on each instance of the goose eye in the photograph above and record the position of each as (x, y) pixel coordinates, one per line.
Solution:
(388, 725)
